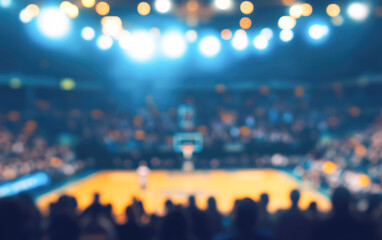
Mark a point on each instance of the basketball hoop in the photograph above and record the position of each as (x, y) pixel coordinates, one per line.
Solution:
(187, 150)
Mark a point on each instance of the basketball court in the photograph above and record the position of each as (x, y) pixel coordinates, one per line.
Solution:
(119, 187)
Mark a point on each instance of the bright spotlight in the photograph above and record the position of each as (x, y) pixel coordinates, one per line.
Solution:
(318, 31)
(104, 42)
(88, 33)
(267, 33)
(141, 46)
(260, 42)
(53, 23)
(163, 6)
(358, 11)
(5, 3)
(223, 5)
(286, 35)
(240, 40)
(209, 46)
(173, 45)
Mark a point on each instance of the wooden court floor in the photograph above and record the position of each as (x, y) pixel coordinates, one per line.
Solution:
(119, 187)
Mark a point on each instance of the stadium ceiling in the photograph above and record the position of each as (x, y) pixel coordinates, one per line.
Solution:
(350, 50)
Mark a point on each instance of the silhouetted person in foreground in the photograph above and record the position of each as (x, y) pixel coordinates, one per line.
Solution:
(266, 223)
(244, 219)
(13, 220)
(175, 226)
(131, 229)
(292, 224)
(63, 227)
(199, 224)
(214, 218)
(342, 224)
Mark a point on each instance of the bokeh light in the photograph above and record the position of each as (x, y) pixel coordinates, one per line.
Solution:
(163, 6)
(223, 5)
(245, 23)
(111, 26)
(209, 46)
(143, 8)
(141, 46)
(317, 31)
(191, 36)
(333, 10)
(226, 34)
(67, 84)
(88, 33)
(358, 11)
(287, 22)
(337, 21)
(286, 35)
(306, 9)
(240, 40)
(260, 42)
(15, 83)
(102, 8)
(5, 3)
(288, 2)
(192, 6)
(25, 16)
(173, 45)
(267, 33)
(69, 9)
(53, 23)
(123, 39)
(295, 10)
(88, 3)
(30, 12)
(246, 7)
(104, 42)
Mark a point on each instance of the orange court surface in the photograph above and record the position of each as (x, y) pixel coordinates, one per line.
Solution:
(118, 187)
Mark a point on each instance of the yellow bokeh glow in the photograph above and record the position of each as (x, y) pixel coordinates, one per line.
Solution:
(296, 10)
(287, 22)
(246, 7)
(288, 2)
(245, 23)
(226, 34)
(143, 8)
(33, 9)
(333, 10)
(67, 84)
(306, 9)
(192, 6)
(88, 3)
(102, 8)
(111, 26)
(69, 9)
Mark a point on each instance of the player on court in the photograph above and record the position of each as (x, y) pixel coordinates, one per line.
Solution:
(143, 172)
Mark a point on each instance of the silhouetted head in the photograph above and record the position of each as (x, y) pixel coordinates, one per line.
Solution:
(341, 199)
(168, 204)
(191, 201)
(96, 197)
(174, 226)
(211, 203)
(246, 215)
(130, 215)
(264, 200)
(295, 197)
(312, 207)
